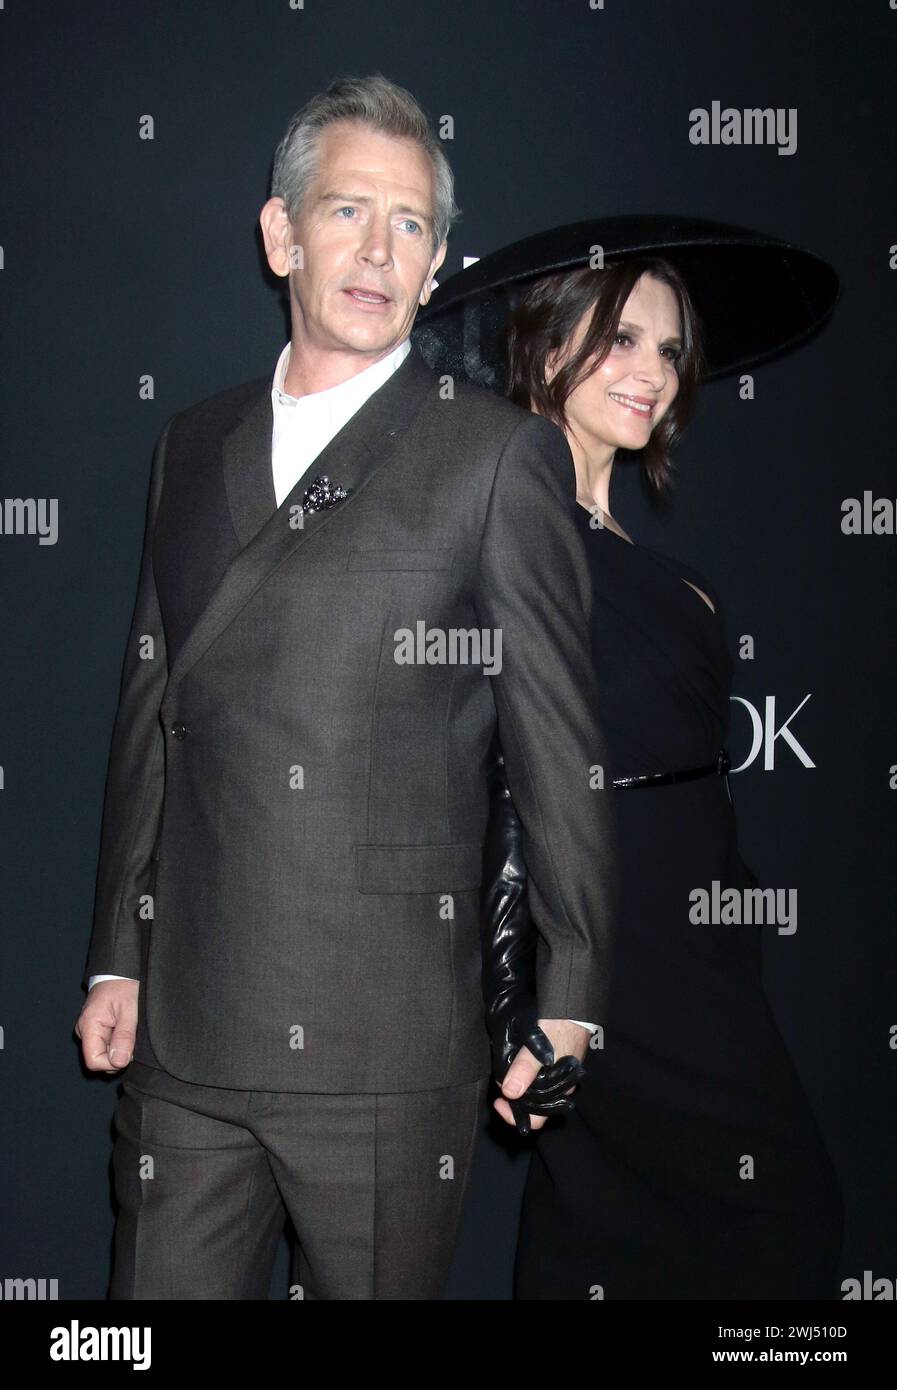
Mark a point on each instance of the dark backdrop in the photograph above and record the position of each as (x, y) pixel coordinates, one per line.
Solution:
(126, 258)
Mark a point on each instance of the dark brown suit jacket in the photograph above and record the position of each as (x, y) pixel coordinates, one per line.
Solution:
(303, 816)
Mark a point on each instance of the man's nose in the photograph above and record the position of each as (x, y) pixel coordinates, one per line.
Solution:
(376, 244)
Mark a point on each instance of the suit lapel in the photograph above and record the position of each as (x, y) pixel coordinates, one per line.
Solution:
(364, 444)
(248, 480)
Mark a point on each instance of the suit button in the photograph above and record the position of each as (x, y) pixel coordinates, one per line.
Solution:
(179, 731)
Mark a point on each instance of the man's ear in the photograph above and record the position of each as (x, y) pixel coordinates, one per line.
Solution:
(277, 235)
(427, 287)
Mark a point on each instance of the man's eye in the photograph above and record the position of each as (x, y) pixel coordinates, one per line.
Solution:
(345, 209)
(409, 222)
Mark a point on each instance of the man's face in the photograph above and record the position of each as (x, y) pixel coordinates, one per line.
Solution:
(365, 231)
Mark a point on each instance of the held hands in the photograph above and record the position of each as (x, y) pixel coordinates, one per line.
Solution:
(535, 1085)
(107, 1025)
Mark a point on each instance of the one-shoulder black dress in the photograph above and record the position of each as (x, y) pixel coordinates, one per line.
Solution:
(692, 1166)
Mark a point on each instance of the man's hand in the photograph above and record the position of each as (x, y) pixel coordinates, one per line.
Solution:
(567, 1039)
(107, 1025)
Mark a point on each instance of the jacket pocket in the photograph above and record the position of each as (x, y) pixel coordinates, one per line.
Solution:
(418, 868)
(400, 559)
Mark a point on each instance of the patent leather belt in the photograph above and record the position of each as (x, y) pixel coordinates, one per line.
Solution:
(661, 779)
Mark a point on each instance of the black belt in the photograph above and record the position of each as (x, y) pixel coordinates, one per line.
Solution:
(661, 779)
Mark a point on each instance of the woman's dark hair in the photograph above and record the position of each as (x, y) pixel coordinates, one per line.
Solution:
(544, 319)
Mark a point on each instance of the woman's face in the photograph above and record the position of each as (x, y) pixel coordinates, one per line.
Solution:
(624, 398)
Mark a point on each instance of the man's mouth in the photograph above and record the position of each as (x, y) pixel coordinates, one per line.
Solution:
(362, 296)
(640, 404)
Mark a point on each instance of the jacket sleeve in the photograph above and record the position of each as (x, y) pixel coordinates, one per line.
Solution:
(135, 774)
(534, 588)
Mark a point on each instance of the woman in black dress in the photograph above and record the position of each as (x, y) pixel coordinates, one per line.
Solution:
(691, 1166)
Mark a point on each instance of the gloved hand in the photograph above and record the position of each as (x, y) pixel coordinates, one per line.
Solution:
(509, 941)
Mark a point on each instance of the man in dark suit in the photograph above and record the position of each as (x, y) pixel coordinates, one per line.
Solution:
(349, 580)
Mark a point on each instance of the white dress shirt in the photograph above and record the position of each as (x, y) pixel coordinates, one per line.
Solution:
(303, 427)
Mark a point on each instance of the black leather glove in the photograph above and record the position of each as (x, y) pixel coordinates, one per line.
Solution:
(509, 962)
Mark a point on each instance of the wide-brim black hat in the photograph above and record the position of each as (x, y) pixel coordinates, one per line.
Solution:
(756, 296)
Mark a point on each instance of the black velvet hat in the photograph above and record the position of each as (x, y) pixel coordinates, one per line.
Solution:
(755, 296)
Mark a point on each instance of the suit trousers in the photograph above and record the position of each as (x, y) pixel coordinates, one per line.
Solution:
(374, 1185)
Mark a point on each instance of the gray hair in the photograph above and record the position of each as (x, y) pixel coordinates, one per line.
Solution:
(373, 101)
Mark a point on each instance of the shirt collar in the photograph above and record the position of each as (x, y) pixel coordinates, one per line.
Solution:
(353, 391)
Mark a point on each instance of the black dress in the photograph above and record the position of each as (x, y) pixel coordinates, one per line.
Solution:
(692, 1166)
